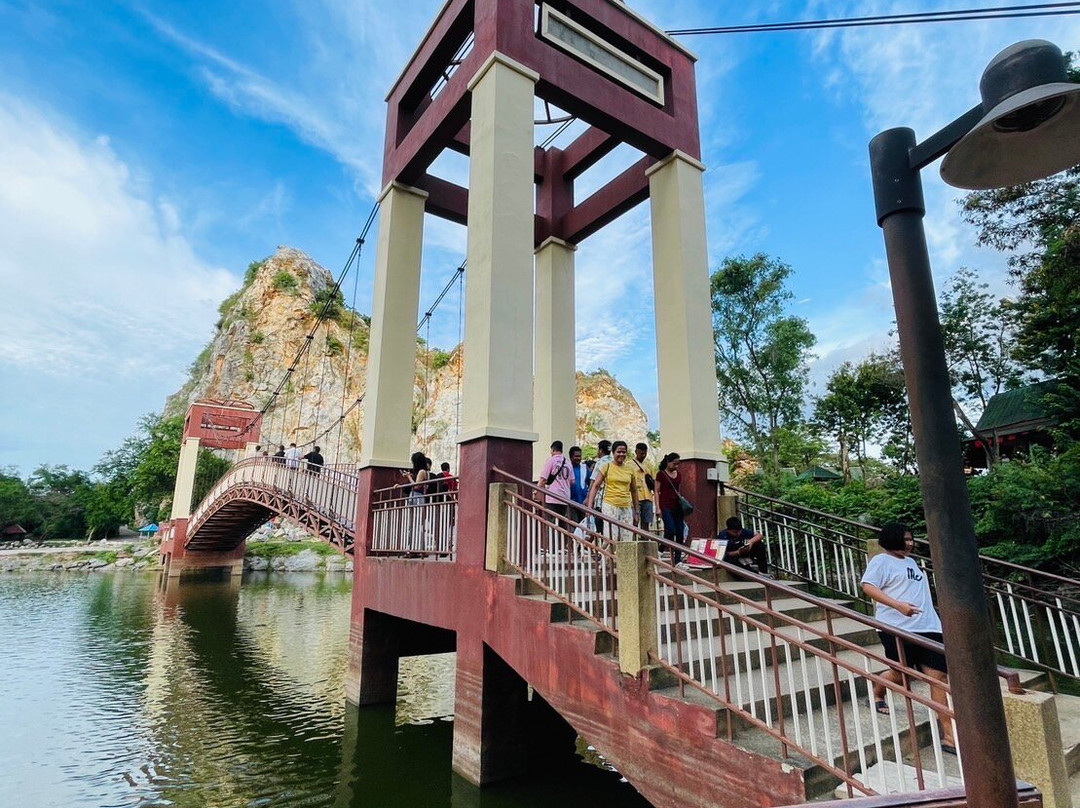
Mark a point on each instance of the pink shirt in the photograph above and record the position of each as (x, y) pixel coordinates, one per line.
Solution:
(560, 466)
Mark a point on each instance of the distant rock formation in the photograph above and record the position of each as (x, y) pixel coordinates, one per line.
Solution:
(262, 327)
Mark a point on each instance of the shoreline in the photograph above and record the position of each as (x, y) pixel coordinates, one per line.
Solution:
(141, 556)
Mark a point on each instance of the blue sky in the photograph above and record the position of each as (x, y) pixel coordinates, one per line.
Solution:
(149, 151)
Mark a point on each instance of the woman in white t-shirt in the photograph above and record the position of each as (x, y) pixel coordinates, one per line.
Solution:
(901, 596)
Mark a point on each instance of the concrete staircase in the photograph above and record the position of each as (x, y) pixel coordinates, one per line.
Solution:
(786, 690)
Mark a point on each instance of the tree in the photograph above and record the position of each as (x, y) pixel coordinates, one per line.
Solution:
(17, 506)
(864, 403)
(761, 352)
(980, 342)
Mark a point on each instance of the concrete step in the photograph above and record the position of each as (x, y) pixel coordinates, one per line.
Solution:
(705, 621)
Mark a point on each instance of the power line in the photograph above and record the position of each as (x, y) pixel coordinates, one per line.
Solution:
(959, 15)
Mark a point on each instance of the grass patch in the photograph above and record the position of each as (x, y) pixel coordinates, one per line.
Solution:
(109, 556)
(284, 549)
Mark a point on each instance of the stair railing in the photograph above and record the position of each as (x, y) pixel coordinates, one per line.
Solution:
(564, 556)
(416, 520)
(1036, 614)
(808, 687)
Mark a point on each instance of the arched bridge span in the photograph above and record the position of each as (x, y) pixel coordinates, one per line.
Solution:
(258, 488)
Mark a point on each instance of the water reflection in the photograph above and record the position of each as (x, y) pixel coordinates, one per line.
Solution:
(123, 690)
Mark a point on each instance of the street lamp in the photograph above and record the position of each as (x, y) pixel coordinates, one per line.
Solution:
(1027, 127)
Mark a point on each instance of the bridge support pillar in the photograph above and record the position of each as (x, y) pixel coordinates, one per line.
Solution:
(375, 648)
(500, 729)
(554, 389)
(686, 366)
(180, 560)
(392, 356)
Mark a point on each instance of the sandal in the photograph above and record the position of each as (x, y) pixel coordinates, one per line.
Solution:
(881, 707)
(948, 749)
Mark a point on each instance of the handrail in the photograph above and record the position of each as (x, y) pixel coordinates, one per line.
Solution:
(871, 528)
(1008, 675)
(1037, 618)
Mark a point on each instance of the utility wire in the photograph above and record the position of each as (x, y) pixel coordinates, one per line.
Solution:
(959, 15)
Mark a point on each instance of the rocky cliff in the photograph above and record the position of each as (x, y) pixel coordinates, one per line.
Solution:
(264, 324)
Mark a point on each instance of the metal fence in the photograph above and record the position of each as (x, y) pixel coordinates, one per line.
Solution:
(1036, 614)
(416, 520)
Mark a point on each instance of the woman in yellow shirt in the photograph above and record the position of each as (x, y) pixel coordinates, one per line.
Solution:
(620, 500)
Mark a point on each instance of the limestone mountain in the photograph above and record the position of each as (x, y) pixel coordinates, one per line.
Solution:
(265, 322)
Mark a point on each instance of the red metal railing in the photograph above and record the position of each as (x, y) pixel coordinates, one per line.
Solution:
(416, 519)
(568, 559)
(1036, 614)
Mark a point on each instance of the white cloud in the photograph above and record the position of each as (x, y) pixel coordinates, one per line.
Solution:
(104, 285)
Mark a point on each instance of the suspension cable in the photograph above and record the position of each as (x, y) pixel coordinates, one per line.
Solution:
(959, 15)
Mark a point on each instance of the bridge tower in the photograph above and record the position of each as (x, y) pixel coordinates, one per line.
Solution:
(471, 88)
(212, 425)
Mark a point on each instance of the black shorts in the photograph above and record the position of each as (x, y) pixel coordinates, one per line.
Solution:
(915, 656)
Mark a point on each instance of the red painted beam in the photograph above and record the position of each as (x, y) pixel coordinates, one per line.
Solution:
(624, 192)
(587, 149)
(445, 199)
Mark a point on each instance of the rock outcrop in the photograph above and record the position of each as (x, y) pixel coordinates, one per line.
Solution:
(264, 324)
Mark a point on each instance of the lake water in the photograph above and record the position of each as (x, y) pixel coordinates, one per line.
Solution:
(121, 690)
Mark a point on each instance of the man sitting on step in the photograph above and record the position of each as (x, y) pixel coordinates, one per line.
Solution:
(744, 547)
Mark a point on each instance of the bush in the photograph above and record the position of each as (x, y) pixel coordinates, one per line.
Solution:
(333, 345)
(252, 271)
(329, 303)
(285, 281)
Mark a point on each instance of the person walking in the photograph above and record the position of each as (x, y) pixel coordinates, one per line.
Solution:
(314, 460)
(581, 477)
(668, 482)
(279, 455)
(292, 457)
(619, 501)
(556, 477)
(645, 486)
(901, 596)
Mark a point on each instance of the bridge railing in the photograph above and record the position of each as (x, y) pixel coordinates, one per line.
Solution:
(416, 519)
(331, 491)
(1036, 614)
(567, 558)
(805, 682)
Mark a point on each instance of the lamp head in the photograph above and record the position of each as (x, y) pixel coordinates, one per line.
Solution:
(1031, 123)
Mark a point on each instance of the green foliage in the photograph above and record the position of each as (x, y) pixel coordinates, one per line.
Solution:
(1038, 223)
(334, 346)
(257, 337)
(440, 359)
(201, 364)
(209, 468)
(328, 303)
(761, 352)
(863, 403)
(285, 281)
(270, 550)
(108, 556)
(142, 471)
(253, 270)
(1034, 504)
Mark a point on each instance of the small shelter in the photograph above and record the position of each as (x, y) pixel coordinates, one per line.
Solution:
(1015, 420)
(819, 474)
(13, 533)
(148, 531)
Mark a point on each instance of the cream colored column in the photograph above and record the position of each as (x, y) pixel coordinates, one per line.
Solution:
(497, 397)
(391, 369)
(185, 478)
(686, 368)
(555, 387)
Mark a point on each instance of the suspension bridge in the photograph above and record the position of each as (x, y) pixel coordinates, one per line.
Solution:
(705, 687)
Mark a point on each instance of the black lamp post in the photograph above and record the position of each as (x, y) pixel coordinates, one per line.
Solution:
(1027, 127)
